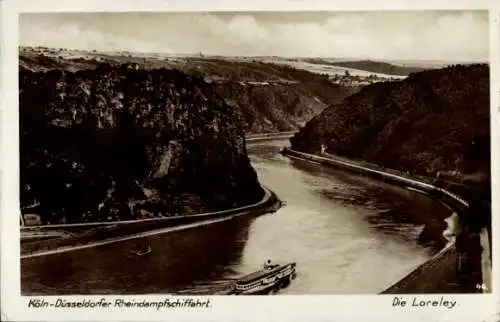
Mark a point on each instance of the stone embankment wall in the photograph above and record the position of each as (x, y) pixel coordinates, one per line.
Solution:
(464, 266)
(70, 235)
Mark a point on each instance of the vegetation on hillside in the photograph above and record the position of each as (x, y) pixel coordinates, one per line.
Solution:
(116, 143)
(269, 97)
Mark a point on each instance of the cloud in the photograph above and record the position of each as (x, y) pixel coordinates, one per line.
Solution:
(383, 35)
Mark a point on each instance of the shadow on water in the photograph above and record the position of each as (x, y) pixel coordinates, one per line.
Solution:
(177, 259)
(340, 229)
(392, 213)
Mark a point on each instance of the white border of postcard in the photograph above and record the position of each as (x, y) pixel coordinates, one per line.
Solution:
(469, 308)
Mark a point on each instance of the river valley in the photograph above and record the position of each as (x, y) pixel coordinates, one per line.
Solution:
(347, 234)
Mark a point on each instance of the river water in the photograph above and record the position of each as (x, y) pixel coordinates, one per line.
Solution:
(348, 235)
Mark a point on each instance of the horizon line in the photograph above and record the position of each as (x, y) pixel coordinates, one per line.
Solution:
(201, 54)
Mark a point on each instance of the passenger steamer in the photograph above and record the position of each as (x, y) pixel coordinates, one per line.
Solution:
(266, 281)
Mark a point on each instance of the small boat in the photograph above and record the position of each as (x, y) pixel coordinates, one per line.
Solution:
(144, 249)
(143, 252)
(266, 281)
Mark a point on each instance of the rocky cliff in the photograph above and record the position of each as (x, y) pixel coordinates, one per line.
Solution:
(116, 143)
(433, 121)
(273, 107)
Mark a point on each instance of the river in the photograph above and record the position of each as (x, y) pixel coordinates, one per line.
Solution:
(348, 235)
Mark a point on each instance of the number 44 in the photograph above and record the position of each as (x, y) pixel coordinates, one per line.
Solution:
(482, 287)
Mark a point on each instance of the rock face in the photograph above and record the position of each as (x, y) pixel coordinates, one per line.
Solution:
(118, 143)
(436, 120)
(274, 98)
(274, 107)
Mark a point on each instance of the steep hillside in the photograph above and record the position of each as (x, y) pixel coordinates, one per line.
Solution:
(275, 106)
(269, 97)
(117, 143)
(436, 120)
(270, 107)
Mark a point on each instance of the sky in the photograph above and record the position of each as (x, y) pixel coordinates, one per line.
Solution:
(418, 35)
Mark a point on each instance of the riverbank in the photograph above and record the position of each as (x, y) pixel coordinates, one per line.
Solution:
(444, 273)
(50, 239)
(37, 240)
